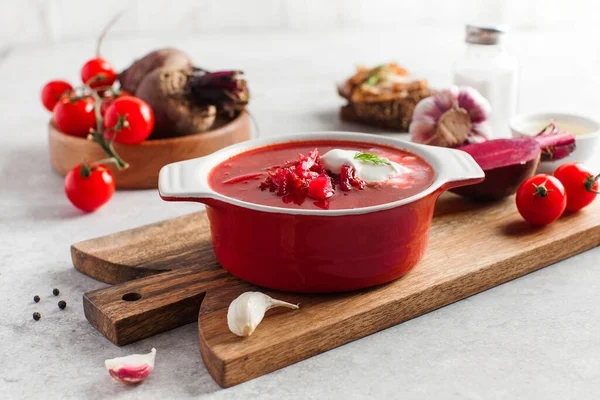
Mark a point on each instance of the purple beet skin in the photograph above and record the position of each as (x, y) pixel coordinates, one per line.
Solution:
(506, 162)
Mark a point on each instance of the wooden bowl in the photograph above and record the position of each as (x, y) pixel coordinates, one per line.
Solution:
(146, 159)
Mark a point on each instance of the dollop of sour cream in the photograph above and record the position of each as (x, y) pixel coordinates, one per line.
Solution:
(368, 171)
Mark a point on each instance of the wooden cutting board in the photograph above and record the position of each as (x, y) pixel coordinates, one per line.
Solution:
(166, 275)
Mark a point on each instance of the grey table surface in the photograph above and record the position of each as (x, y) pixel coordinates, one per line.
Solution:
(533, 338)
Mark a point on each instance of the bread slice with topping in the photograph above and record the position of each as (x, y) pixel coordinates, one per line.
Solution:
(384, 96)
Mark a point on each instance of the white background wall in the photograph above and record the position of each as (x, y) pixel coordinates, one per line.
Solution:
(48, 21)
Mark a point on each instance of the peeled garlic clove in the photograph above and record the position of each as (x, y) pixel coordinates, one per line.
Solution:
(131, 369)
(248, 309)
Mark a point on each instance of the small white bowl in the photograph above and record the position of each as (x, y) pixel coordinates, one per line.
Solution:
(588, 144)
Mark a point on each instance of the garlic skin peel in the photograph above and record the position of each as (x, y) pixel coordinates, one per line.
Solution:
(131, 369)
(248, 309)
(451, 117)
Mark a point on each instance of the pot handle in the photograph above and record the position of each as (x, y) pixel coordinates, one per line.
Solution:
(457, 168)
(184, 180)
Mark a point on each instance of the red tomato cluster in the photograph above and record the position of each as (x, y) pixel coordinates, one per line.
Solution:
(542, 199)
(120, 117)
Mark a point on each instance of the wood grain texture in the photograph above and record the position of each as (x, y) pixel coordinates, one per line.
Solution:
(145, 307)
(473, 247)
(174, 244)
(146, 159)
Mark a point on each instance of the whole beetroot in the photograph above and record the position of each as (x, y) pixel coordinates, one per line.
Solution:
(131, 78)
(175, 114)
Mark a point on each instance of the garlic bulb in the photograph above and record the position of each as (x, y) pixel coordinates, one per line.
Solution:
(131, 369)
(451, 117)
(248, 309)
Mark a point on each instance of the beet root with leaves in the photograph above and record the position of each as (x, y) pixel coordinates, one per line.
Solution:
(185, 99)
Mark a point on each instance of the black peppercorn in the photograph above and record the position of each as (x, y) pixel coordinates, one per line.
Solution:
(36, 299)
(62, 304)
(37, 316)
(55, 291)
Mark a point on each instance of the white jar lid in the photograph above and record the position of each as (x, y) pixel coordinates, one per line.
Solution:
(486, 35)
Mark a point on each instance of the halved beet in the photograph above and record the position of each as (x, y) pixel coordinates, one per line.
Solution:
(506, 162)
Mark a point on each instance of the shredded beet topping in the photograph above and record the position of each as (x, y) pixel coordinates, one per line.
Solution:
(307, 178)
(348, 179)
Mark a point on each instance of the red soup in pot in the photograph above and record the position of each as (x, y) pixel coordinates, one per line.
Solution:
(329, 174)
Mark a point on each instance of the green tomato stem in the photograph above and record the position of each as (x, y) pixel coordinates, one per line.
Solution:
(85, 170)
(109, 160)
(590, 182)
(98, 135)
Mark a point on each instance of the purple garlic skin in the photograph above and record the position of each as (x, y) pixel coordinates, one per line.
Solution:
(439, 119)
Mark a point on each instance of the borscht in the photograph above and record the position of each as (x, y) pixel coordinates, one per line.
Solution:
(327, 174)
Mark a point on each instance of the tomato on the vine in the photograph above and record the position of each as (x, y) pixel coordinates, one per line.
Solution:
(580, 184)
(53, 91)
(101, 70)
(89, 187)
(109, 98)
(541, 199)
(75, 116)
(138, 116)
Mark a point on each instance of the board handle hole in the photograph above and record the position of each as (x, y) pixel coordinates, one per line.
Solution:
(131, 296)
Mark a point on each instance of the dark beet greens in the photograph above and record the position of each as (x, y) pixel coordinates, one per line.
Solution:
(224, 89)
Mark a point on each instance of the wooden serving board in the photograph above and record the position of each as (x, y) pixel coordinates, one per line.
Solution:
(166, 275)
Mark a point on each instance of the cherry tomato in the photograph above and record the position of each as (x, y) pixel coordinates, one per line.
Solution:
(139, 116)
(541, 199)
(53, 91)
(580, 184)
(75, 117)
(108, 99)
(95, 67)
(89, 187)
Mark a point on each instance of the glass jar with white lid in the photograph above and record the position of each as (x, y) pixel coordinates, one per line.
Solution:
(488, 67)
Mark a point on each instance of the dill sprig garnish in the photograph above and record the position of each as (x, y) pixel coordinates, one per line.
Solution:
(373, 158)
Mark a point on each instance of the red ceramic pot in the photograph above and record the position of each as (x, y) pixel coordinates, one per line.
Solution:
(304, 250)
